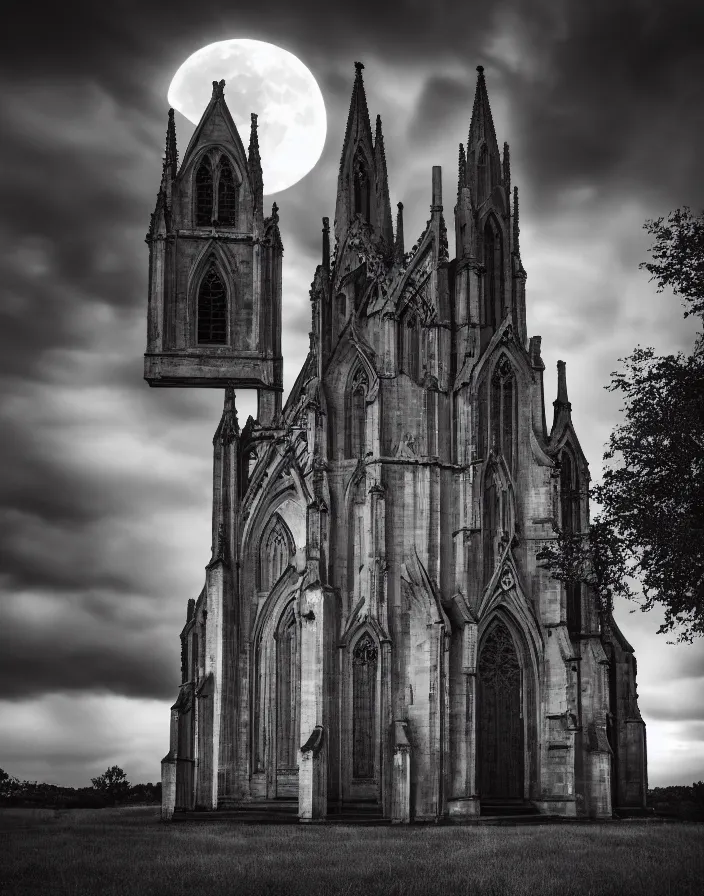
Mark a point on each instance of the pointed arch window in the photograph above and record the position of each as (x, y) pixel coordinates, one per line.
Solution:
(275, 554)
(287, 677)
(356, 423)
(362, 188)
(227, 195)
(570, 522)
(204, 193)
(212, 308)
(493, 278)
(410, 347)
(491, 522)
(503, 411)
(365, 659)
(483, 180)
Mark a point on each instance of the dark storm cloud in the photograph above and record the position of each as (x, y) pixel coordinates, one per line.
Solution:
(440, 102)
(85, 648)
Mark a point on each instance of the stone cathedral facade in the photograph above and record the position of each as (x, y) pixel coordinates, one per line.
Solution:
(374, 628)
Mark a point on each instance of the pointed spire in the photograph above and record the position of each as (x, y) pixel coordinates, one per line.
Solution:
(255, 163)
(171, 156)
(326, 244)
(483, 159)
(382, 179)
(562, 407)
(507, 168)
(358, 115)
(399, 250)
(516, 228)
(462, 171)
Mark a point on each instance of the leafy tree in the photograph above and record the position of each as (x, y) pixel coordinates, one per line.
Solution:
(678, 256)
(652, 494)
(113, 782)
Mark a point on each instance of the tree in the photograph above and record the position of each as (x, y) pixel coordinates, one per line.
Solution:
(113, 783)
(678, 253)
(652, 494)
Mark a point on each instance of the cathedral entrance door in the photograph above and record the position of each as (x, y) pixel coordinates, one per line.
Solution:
(500, 720)
(288, 690)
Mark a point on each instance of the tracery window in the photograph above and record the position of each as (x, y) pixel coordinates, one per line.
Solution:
(204, 193)
(493, 278)
(287, 666)
(503, 411)
(410, 343)
(483, 181)
(212, 308)
(227, 195)
(491, 522)
(356, 423)
(362, 188)
(364, 675)
(275, 555)
(570, 522)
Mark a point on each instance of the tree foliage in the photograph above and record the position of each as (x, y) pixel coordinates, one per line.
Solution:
(678, 256)
(595, 558)
(112, 782)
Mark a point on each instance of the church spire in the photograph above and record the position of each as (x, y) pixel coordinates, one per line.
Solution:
(171, 155)
(383, 202)
(399, 250)
(461, 172)
(356, 187)
(483, 159)
(255, 167)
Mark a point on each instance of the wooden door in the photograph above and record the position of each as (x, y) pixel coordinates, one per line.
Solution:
(500, 753)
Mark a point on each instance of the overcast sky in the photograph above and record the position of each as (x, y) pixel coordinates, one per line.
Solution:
(106, 484)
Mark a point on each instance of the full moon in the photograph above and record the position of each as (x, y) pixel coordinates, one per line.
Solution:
(272, 82)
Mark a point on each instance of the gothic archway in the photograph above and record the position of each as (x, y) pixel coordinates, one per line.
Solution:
(363, 743)
(500, 724)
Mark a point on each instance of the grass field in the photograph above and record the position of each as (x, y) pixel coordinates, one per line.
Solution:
(105, 852)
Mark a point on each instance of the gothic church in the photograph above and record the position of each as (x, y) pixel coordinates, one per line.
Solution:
(374, 629)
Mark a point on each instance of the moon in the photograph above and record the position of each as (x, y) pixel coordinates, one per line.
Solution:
(262, 78)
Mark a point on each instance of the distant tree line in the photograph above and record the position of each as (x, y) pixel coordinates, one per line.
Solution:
(109, 789)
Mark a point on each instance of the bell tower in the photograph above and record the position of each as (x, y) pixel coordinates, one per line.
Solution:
(214, 317)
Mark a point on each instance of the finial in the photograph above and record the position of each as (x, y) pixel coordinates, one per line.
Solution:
(253, 116)
(171, 156)
(398, 244)
(462, 171)
(275, 213)
(358, 68)
(562, 383)
(516, 229)
(480, 69)
(507, 167)
(436, 200)
(218, 90)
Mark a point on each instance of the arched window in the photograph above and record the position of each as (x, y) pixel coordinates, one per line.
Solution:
(491, 521)
(287, 666)
(570, 522)
(362, 188)
(493, 278)
(212, 308)
(227, 195)
(357, 416)
(410, 344)
(503, 411)
(365, 658)
(275, 554)
(204, 194)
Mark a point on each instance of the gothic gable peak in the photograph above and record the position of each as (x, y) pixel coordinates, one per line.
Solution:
(216, 127)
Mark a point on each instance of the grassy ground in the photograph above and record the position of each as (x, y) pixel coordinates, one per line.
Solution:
(128, 851)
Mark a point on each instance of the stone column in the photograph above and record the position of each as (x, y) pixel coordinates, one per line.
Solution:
(312, 780)
(401, 776)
